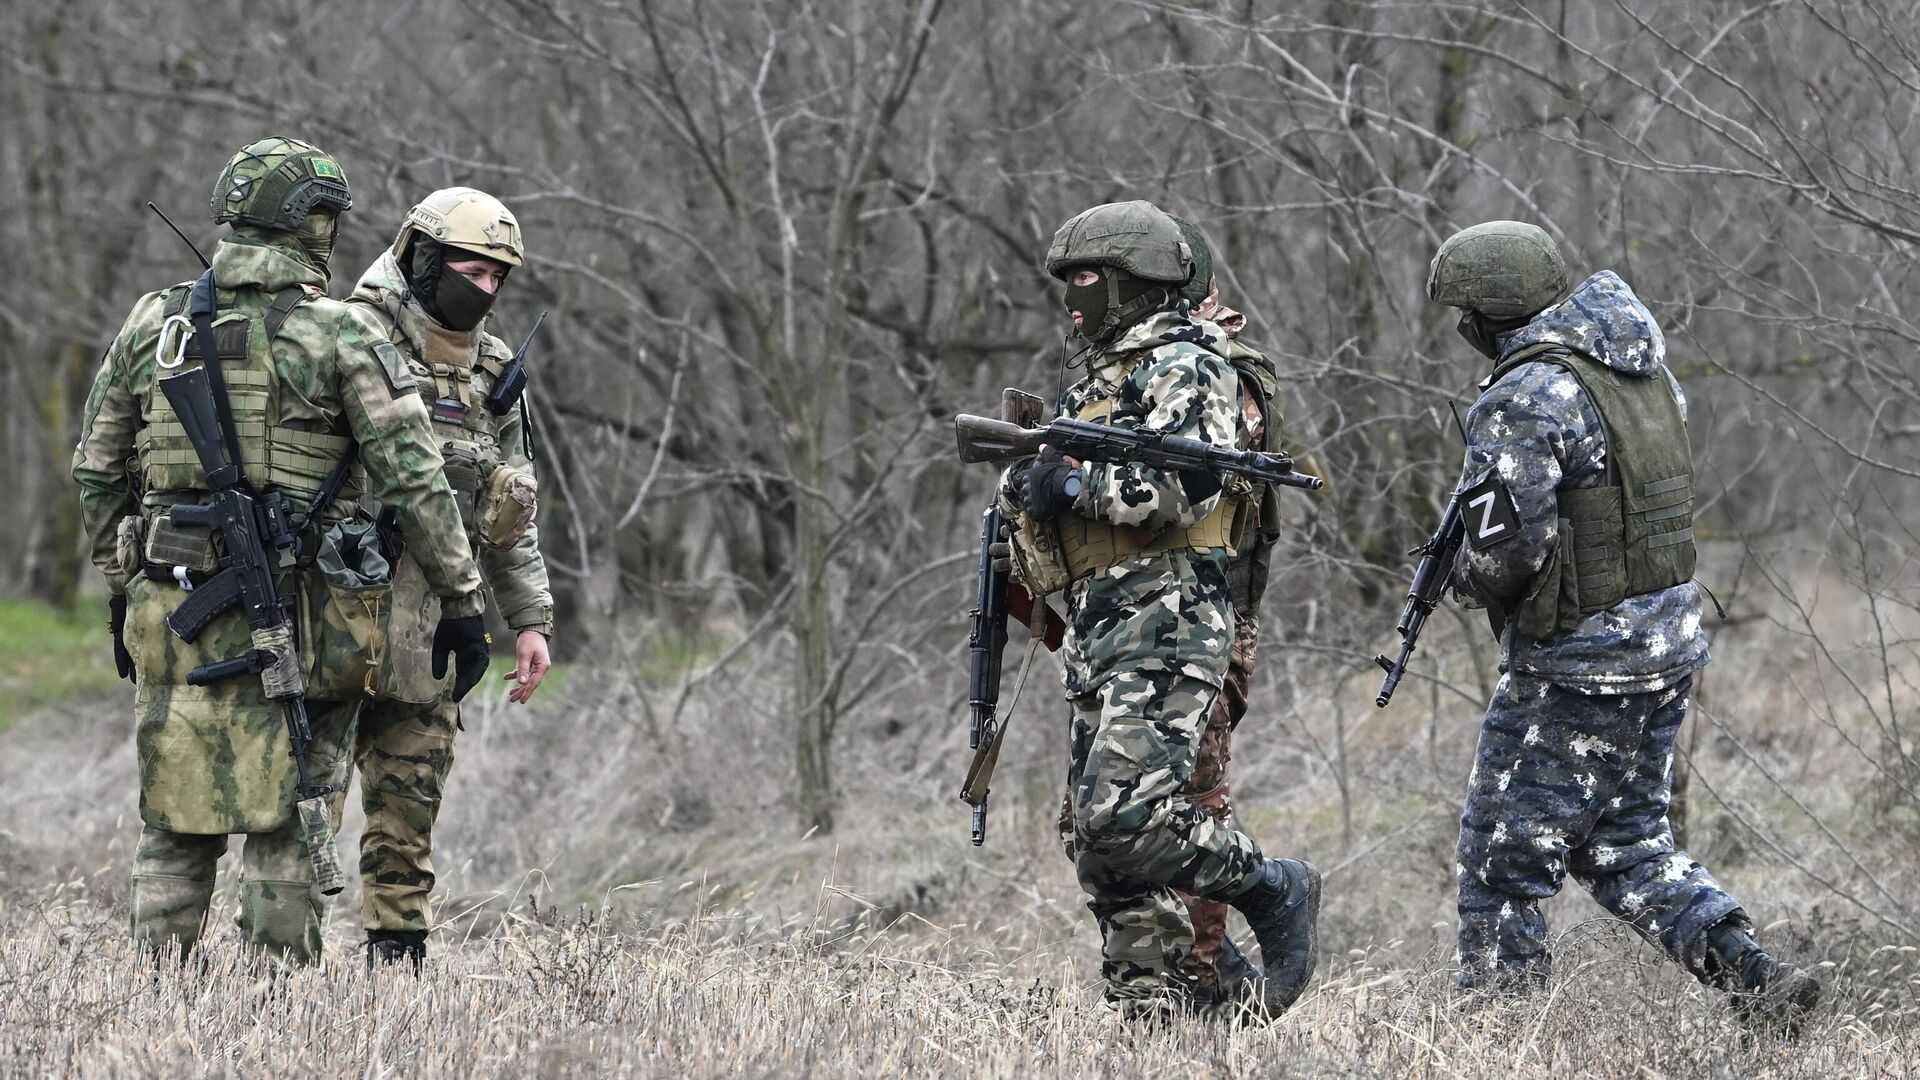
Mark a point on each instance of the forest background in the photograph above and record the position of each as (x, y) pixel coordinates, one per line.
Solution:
(782, 244)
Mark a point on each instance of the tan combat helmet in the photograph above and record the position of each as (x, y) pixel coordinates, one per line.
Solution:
(467, 219)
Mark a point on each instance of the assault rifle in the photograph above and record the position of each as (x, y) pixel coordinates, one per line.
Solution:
(1429, 586)
(984, 439)
(259, 535)
(997, 597)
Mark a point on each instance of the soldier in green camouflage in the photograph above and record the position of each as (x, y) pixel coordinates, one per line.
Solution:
(1151, 620)
(310, 384)
(431, 293)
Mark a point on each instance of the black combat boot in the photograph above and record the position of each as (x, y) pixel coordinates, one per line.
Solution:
(386, 947)
(1283, 907)
(1765, 993)
(1238, 986)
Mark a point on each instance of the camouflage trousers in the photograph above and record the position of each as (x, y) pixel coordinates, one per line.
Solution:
(404, 752)
(1564, 781)
(1138, 834)
(1210, 791)
(280, 910)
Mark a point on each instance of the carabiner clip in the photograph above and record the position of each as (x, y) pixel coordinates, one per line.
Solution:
(180, 353)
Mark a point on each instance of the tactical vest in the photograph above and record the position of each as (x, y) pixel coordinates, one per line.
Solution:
(275, 455)
(1090, 546)
(467, 434)
(1634, 535)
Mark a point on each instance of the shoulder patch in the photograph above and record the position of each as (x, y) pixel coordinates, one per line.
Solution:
(399, 376)
(1488, 512)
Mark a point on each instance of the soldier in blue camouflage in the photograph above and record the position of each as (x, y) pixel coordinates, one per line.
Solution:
(1577, 498)
(1150, 621)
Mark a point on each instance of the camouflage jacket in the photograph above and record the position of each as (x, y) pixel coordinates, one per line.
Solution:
(324, 356)
(517, 575)
(1171, 610)
(213, 759)
(1537, 427)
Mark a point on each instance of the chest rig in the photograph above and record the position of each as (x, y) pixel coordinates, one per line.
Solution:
(1633, 534)
(460, 371)
(1089, 546)
(276, 454)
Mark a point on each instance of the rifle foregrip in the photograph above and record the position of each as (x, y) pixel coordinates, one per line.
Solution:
(203, 605)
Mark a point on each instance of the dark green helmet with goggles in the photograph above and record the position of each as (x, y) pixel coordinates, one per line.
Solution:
(275, 183)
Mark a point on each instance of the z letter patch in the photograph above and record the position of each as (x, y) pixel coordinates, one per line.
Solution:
(1487, 509)
(399, 376)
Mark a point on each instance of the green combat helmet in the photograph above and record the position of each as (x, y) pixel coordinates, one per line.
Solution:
(1201, 284)
(275, 183)
(1136, 238)
(1500, 269)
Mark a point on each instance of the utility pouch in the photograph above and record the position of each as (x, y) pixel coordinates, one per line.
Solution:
(172, 545)
(1552, 603)
(1039, 563)
(129, 544)
(413, 616)
(507, 503)
(347, 600)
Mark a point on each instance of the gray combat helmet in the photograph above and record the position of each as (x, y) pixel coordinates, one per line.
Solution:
(1136, 236)
(1500, 269)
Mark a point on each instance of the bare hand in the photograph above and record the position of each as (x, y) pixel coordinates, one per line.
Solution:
(531, 665)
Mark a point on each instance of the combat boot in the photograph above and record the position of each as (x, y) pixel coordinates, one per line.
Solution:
(388, 947)
(1283, 908)
(1765, 993)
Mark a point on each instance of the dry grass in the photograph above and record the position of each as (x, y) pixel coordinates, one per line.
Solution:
(624, 893)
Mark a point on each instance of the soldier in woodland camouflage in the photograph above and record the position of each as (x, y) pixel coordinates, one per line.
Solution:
(431, 293)
(1215, 966)
(1151, 621)
(1577, 495)
(311, 383)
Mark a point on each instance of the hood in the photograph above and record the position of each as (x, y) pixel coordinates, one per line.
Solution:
(386, 288)
(1602, 319)
(1160, 328)
(263, 259)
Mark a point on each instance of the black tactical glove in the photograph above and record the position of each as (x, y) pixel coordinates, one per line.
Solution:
(117, 622)
(467, 641)
(1050, 485)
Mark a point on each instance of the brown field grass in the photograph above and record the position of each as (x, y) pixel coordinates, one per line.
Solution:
(623, 893)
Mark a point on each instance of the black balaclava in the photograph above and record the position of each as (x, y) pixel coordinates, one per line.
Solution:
(1110, 304)
(452, 300)
(1484, 332)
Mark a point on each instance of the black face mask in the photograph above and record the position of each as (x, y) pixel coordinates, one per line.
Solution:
(1484, 332)
(452, 300)
(1110, 304)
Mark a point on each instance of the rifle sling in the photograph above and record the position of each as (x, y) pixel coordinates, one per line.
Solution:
(203, 343)
(980, 770)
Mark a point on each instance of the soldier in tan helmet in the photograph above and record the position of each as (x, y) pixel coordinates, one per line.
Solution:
(432, 292)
